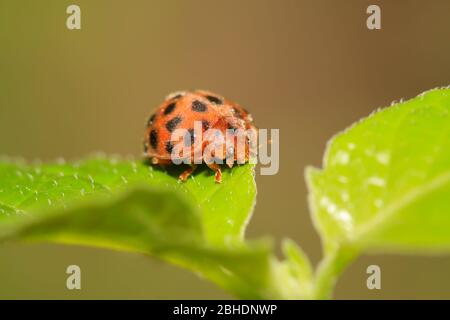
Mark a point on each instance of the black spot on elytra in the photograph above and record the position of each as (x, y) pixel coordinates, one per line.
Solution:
(169, 147)
(154, 139)
(198, 106)
(214, 100)
(189, 138)
(205, 125)
(169, 109)
(151, 119)
(172, 124)
(237, 113)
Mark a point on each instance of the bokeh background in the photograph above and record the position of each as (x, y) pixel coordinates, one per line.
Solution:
(309, 68)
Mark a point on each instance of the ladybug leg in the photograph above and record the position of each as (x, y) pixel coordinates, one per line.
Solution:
(218, 172)
(208, 159)
(230, 157)
(230, 162)
(161, 162)
(185, 175)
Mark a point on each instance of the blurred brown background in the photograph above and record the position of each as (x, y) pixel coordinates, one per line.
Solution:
(310, 68)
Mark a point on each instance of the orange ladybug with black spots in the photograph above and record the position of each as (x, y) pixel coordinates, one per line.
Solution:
(181, 110)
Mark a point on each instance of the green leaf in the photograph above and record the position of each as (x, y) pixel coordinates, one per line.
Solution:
(298, 266)
(385, 182)
(128, 205)
(224, 209)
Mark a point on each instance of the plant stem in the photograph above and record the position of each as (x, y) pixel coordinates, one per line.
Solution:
(329, 269)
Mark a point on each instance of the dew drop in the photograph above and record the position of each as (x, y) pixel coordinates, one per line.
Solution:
(345, 196)
(342, 179)
(383, 157)
(378, 203)
(341, 157)
(341, 215)
(376, 181)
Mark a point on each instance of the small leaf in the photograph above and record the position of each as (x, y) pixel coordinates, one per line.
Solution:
(298, 261)
(385, 182)
(298, 274)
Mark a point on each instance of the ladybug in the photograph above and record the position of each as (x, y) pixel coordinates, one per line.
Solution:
(182, 110)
